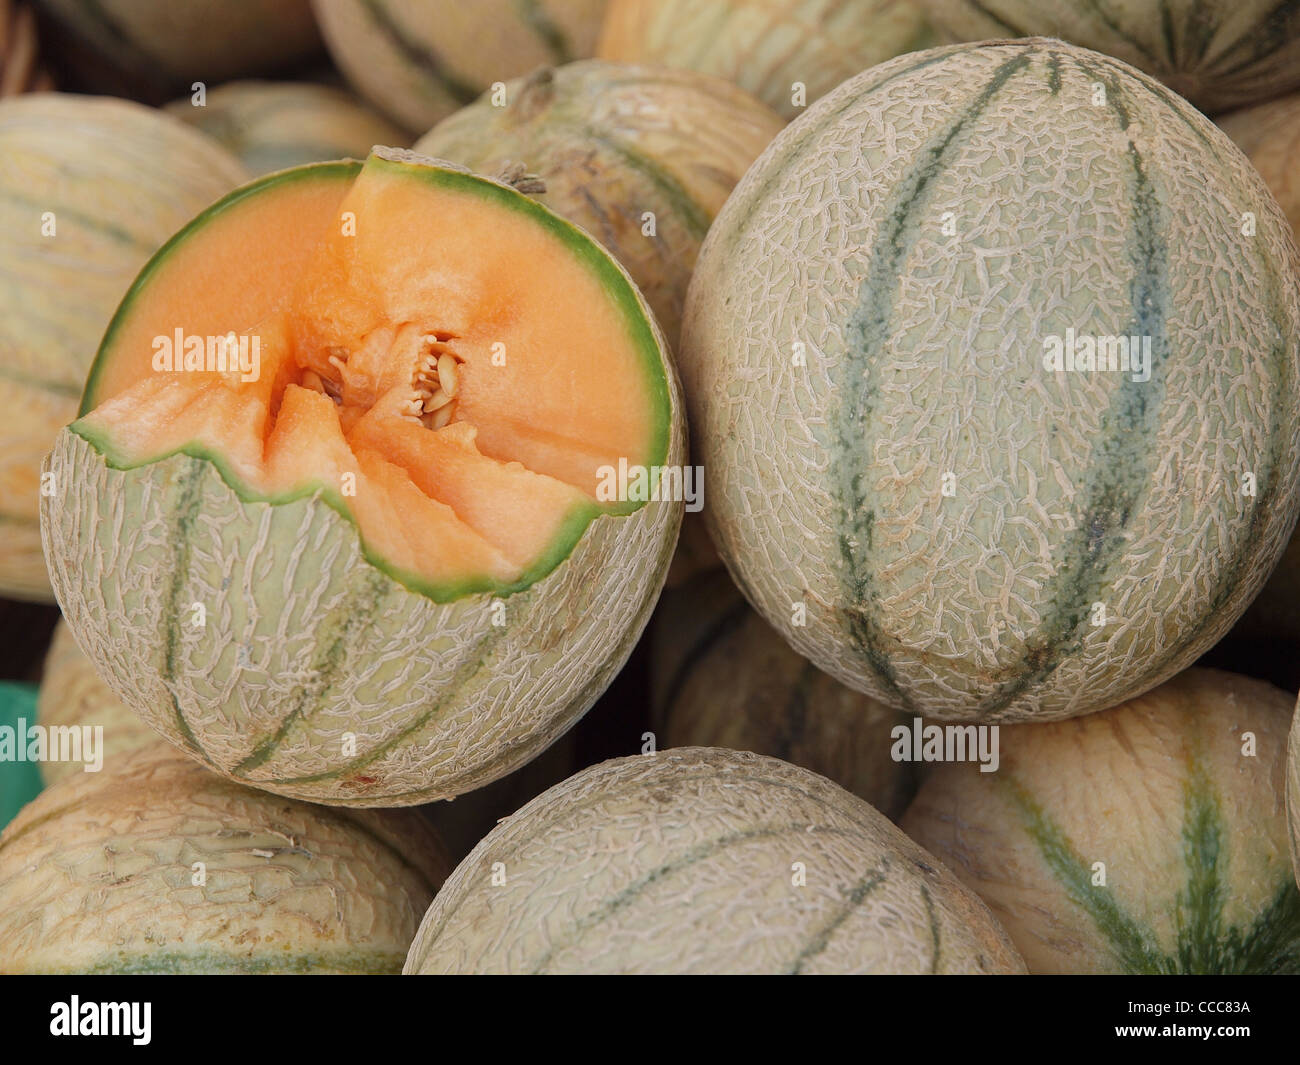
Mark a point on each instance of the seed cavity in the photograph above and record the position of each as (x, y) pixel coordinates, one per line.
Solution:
(435, 381)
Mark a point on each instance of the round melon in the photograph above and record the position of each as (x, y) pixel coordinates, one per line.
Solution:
(418, 62)
(161, 866)
(722, 678)
(386, 561)
(273, 125)
(72, 696)
(1029, 361)
(89, 188)
(176, 44)
(613, 144)
(770, 47)
(1218, 53)
(1150, 838)
(701, 860)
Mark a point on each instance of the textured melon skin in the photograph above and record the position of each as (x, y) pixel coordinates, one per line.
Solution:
(611, 142)
(306, 642)
(206, 40)
(1192, 832)
(924, 356)
(274, 125)
(722, 678)
(96, 875)
(72, 694)
(119, 179)
(1219, 54)
(681, 862)
(765, 46)
(418, 62)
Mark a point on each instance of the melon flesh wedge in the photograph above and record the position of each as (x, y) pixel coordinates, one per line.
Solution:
(428, 349)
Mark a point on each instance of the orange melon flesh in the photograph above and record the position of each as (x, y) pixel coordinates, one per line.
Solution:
(350, 279)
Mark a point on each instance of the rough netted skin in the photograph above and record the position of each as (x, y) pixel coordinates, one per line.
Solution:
(72, 695)
(208, 40)
(418, 62)
(611, 142)
(315, 674)
(685, 862)
(119, 179)
(1163, 790)
(1217, 53)
(272, 125)
(720, 677)
(1100, 532)
(766, 46)
(98, 875)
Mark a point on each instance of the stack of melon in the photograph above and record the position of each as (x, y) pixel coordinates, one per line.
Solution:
(358, 472)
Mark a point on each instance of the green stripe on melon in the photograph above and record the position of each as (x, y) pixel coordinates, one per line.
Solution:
(924, 361)
(700, 860)
(160, 866)
(1220, 54)
(113, 180)
(1150, 838)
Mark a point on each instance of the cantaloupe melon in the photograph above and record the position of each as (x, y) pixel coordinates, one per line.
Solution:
(931, 462)
(392, 564)
(176, 44)
(161, 866)
(417, 62)
(701, 860)
(770, 47)
(73, 696)
(641, 158)
(89, 188)
(272, 125)
(1218, 53)
(1149, 838)
(722, 678)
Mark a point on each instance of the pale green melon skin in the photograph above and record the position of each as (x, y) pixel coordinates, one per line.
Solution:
(1212, 61)
(118, 179)
(682, 862)
(97, 875)
(980, 605)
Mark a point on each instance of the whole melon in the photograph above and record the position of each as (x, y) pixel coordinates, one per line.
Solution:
(164, 867)
(699, 860)
(1218, 53)
(769, 47)
(921, 300)
(176, 44)
(1150, 838)
(613, 143)
(89, 188)
(384, 562)
(418, 62)
(272, 125)
(72, 696)
(720, 677)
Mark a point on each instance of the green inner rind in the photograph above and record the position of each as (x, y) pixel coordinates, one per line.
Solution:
(636, 320)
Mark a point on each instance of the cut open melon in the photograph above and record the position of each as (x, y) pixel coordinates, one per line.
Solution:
(405, 341)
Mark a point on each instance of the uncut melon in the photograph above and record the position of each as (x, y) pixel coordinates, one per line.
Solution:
(769, 47)
(176, 44)
(613, 142)
(89, 188)
(381, 569)
(702, 860)
(1218, 53)
(1150, 838)
(273, 125)
(418, 62)
(966, 520)
(72, 696)
(164, 867)
(720, 677)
